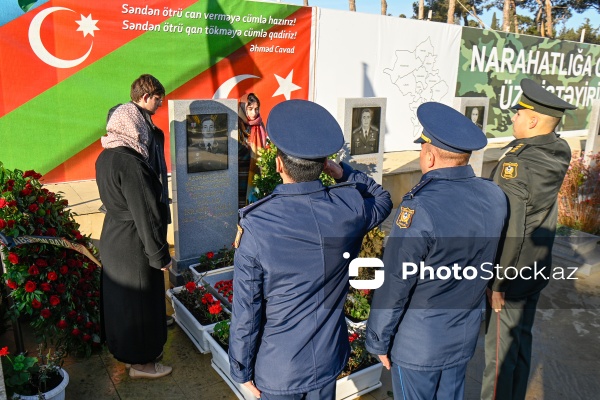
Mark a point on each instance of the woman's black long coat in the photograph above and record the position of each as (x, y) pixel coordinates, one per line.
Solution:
(133, 249)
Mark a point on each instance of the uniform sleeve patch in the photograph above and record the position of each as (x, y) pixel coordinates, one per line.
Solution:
(405, 217)
(238, 237)
(509, 170)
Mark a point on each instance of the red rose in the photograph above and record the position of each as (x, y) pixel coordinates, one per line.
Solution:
(62, 324)
(72, 314)
(89, 325)
(10, 182)
(64, 269)
(61, 288)
(71, 263)
(45, 286)
(64, 202)
(35, 303)
(11, 223)
(190, 286)
(41, 262)
(41, 211)
(3, 224)
(210, 255)
(37, 176)
(30, 286)
(12, 284)
(13, 258)
(86, 338)
(12, 203)
(25, 192)
(54, 300)
(75, 332)
(4, 351)
(33, 270)
(79, 319)
(28, 173)
(33, 208)
(52, 276)
(51, 199)
(45, 313)
(215, 309)
(41, 199)
(40, 221)
(50, 232)
(92, 303)
(3, 202)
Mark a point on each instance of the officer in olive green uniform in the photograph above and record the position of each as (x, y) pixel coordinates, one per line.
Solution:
(530, 174)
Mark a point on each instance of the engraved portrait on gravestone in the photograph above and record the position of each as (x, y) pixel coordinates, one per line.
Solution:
(207, 142)
(365, 130)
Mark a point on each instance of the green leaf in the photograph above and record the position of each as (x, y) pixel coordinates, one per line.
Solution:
(26, 4)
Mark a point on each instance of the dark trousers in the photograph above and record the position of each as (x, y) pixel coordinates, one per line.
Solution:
(508, 342)
(445, 384)
(325, 393)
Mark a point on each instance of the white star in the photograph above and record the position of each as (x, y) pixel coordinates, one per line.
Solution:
(87, 25)
(286, 86)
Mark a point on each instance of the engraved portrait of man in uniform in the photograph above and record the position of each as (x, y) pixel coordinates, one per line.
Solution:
(365, 130)
(207, 142)
(475, 114)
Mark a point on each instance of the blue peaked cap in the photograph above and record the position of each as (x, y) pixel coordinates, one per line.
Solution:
(446, 128)
(304, 129)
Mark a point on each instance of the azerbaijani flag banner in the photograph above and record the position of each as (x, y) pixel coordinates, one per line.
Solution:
(64, 63)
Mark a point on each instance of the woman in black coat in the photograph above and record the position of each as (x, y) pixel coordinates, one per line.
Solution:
(133, 244)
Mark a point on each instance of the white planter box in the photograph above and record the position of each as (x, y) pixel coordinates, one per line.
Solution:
(189, 324)
(355, 325)
(220, 363)
(199, 275)
(358, 383)
(348, 387)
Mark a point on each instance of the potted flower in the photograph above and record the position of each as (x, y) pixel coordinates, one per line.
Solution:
(31, 378)
(55, 288)
(362, 372)
(211, 261)
(358, 305)
(219, 345)
(196, 312)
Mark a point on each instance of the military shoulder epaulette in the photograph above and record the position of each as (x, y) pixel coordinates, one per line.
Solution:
(243, 211)
(517, 149)
(412, 192)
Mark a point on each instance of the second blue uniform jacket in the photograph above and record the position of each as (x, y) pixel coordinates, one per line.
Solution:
(450, 217)
(288, 332)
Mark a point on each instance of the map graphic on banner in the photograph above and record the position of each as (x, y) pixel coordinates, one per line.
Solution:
(64, 63)
(416, 76)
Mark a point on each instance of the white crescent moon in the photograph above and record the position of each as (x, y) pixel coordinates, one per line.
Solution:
(38, 48)
(224, 90)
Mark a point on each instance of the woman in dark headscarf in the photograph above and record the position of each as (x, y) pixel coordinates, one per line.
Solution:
(252, 136)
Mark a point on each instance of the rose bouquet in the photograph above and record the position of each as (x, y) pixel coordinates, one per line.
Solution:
(56, 289)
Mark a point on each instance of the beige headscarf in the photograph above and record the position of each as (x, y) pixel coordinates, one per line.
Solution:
(127, 127)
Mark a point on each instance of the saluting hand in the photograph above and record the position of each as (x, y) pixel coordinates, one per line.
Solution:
(385, 360)
(250, 386)
(333, 169)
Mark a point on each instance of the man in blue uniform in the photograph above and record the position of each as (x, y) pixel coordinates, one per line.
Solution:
(289, 339)
(437, 261)
(530, 173)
